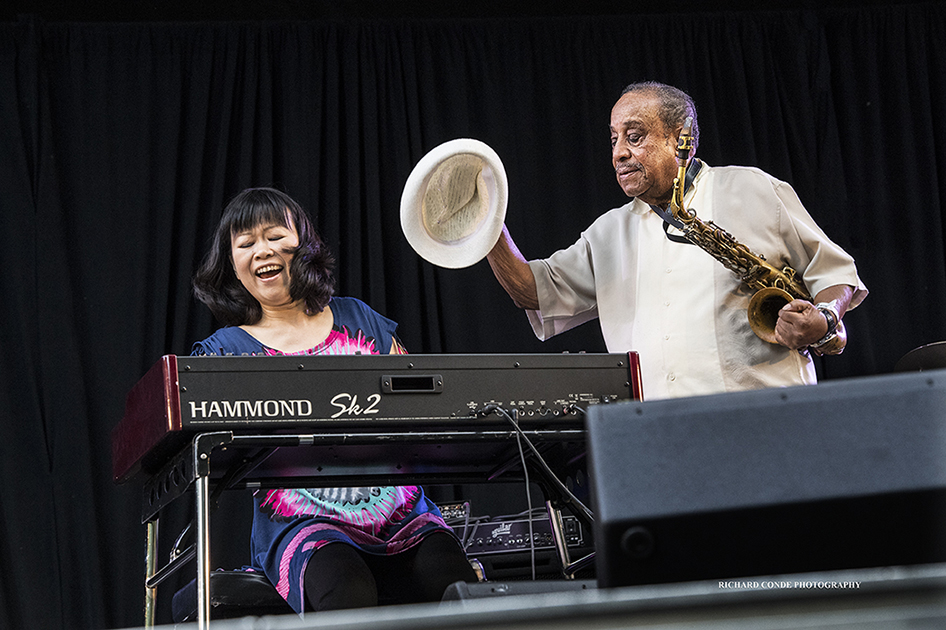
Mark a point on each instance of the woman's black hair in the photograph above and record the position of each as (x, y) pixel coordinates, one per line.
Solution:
(215, 283)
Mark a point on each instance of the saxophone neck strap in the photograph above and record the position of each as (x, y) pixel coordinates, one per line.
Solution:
(692, 170)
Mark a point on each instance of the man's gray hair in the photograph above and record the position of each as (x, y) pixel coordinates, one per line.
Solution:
(675, 105)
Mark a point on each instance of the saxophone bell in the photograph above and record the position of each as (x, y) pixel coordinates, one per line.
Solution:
(763, 311)
(763, 316)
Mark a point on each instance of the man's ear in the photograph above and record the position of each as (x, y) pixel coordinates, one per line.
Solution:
(675, 136)
(676, 142)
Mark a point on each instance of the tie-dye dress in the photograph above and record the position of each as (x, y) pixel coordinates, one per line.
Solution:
(291, 524)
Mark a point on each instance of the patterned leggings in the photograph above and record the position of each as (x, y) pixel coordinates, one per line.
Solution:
(338, 576)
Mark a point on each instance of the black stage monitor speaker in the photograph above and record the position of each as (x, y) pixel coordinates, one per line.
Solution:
(841, 475)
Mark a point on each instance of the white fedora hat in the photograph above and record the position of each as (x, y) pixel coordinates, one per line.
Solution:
(454, 203)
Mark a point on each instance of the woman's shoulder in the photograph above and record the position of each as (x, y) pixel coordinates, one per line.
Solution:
(353, 314)
(346, 305)
(231, 340)
(345, 308)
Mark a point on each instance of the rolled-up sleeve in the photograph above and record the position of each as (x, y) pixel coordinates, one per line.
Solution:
(827, 263)
(565, 284)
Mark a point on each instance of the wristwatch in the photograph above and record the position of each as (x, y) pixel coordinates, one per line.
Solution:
(830, 312)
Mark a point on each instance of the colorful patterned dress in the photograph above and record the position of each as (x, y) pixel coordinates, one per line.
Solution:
(291, 524)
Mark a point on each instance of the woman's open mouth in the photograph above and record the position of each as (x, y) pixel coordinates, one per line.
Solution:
(269, 271)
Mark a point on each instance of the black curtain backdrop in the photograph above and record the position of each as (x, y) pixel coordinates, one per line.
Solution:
(123, 141)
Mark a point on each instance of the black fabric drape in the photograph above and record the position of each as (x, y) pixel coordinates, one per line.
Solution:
(122, 142)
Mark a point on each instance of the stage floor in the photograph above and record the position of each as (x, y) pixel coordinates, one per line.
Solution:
(883, 598)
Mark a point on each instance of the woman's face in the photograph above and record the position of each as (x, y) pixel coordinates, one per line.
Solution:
(261, 258)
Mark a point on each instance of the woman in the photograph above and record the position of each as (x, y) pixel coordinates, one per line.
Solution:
(268, 278)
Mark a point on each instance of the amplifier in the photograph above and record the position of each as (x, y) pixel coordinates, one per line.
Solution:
(509, 536)
(848, 474)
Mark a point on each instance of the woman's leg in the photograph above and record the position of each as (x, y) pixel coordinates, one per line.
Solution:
(336, 577)
(423, 572)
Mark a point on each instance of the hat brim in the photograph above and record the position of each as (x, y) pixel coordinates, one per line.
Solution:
(454, 254)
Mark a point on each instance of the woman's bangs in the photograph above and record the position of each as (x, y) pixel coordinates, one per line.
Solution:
(259, 209)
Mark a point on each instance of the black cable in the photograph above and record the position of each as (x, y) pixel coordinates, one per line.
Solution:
(572, 500)
(525, 470)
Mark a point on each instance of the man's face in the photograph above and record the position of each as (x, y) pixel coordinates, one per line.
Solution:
(643, 151)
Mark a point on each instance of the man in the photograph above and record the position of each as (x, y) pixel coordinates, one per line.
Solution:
(654, 292)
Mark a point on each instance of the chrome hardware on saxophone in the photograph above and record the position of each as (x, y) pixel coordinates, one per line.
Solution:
(774, 287)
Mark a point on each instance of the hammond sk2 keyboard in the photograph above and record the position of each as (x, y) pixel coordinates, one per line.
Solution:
(181, 396)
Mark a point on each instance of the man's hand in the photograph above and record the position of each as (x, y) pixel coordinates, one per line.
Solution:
(800, 324)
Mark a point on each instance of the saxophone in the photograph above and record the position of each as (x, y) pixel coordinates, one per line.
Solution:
(774, 287)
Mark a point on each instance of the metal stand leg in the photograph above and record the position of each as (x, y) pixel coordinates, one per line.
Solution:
(151, 563)
(569, 568)
(558, 537)
(203, 552)
(557, 496)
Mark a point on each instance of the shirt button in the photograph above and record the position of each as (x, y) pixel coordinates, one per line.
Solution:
(667, 303)
(672, 376)
(669, 270)
(666, 337)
